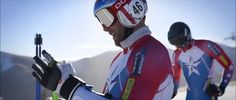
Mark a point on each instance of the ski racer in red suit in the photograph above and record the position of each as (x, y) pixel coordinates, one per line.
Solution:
(196, 59)
(142, 71)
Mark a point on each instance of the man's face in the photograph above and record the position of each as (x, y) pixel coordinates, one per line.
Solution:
(111, 25)
(117, 31)
(180, 42)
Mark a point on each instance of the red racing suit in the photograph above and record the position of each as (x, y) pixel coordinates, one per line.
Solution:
(142, 71)
(197, 64)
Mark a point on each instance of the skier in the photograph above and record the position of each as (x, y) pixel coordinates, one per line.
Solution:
(142, 71)
(196, 59)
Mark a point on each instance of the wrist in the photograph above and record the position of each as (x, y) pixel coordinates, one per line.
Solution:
(59, 85)
(69, 86)
(222, 89)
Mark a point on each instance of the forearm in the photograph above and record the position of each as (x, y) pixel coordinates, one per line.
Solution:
(76, 89)
(228, 73)
(59, 77)
(82, 93)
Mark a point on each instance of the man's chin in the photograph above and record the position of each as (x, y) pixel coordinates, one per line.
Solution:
(117, 44)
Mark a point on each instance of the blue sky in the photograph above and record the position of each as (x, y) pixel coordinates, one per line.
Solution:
(71, 32)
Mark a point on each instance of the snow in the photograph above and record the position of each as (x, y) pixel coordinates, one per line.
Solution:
(6, 62)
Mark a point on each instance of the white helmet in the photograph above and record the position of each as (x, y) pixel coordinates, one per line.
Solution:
(128, 12)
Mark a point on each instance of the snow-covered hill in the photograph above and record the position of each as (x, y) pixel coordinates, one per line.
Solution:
(16, 82)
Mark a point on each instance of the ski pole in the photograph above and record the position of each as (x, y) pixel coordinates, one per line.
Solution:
(38, 41)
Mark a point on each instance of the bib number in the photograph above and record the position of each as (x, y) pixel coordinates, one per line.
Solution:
(136, 8)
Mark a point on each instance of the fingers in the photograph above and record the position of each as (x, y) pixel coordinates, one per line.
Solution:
(36, 76)
(40, 62)
(47, 56)
(38, 73)
(212, 90)
(37, 70)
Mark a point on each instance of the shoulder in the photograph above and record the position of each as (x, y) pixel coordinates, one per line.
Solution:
(155, 45)
(153, 56)
(209, 47)
(155, 52)
(151, 45)
(204, 43)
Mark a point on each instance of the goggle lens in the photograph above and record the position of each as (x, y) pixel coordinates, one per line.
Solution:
(105, 17)
(179, 42)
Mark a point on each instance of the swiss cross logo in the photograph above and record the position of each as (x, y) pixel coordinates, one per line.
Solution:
(120, 3)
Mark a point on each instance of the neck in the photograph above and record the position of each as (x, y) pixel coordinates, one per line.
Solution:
(135, 36)
(140, 24)
(129, 31)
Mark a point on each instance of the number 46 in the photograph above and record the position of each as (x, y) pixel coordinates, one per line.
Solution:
(137, 8)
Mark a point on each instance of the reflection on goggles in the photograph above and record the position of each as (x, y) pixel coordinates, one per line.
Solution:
(178, 41)
(105, 17)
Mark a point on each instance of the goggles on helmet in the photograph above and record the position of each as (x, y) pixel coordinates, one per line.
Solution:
(105, 17)
(178, 42)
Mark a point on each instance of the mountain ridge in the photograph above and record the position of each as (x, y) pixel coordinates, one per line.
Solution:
(16, 77)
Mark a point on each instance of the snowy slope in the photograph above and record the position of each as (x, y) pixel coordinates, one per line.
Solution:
(16, 77)
(16, 81)
(6, 62)
(15, 73)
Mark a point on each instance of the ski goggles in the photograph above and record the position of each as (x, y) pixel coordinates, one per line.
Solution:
(179, 42)
(105, 17)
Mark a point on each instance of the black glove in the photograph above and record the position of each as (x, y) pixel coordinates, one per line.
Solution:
(222, 89)
(48, 74)
(213, 90)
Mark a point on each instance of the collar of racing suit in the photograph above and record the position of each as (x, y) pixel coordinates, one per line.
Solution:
(135, 36)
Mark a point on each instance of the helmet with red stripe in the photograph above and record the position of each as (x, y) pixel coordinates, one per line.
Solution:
(128, 12)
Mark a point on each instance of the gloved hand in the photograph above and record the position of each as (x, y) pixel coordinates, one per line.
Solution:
(67, 71)
(214, 90)
(222, 89)
(51, 74)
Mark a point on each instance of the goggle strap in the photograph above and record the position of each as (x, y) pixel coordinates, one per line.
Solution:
(130, 18)
(115, 9)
